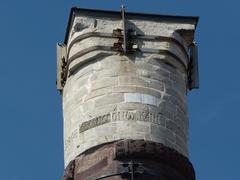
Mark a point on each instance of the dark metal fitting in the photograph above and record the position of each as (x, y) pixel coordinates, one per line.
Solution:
(117, 33)
(127, 169)
(118, 47)
(131, 32)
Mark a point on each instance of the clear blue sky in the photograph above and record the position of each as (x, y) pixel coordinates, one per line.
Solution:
(30, 107)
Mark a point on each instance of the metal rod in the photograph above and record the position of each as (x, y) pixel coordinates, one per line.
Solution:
(124, 30)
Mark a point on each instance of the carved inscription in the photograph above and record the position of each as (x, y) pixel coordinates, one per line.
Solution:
(153, 117)
(97, 121)
(146, 116)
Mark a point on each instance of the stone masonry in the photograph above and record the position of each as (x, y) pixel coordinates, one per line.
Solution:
(110, 95)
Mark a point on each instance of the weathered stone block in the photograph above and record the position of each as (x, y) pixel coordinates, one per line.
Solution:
(124, 89)
(85, 71)
(142, 98)
(109, 99)
(132, 80)
(167, 109)
(181, 145)
(157, 85)
(162, 132)
(102, 110)
(104, 82)
(168, 67)
(132, 106)
(98, 92)
(171, 126)
(80, 93)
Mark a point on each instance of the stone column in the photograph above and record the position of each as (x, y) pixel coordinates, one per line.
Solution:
(124, 79)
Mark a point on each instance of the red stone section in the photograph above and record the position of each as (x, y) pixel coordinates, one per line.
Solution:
(130, 159)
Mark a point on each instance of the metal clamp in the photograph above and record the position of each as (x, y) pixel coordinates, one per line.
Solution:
(127, 169)
(118, 46)
(193, 75)
(124, 30)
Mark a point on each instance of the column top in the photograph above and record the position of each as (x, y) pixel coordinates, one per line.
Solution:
(129, 15)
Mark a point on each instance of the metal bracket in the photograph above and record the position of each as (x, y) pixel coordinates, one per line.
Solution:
(124, 30)
(118, 46)
(193, 75)
(129, 168)
(61, 66)
(131, 46)
(121, 46)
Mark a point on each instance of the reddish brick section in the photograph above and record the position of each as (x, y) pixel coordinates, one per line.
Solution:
(156, 161)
